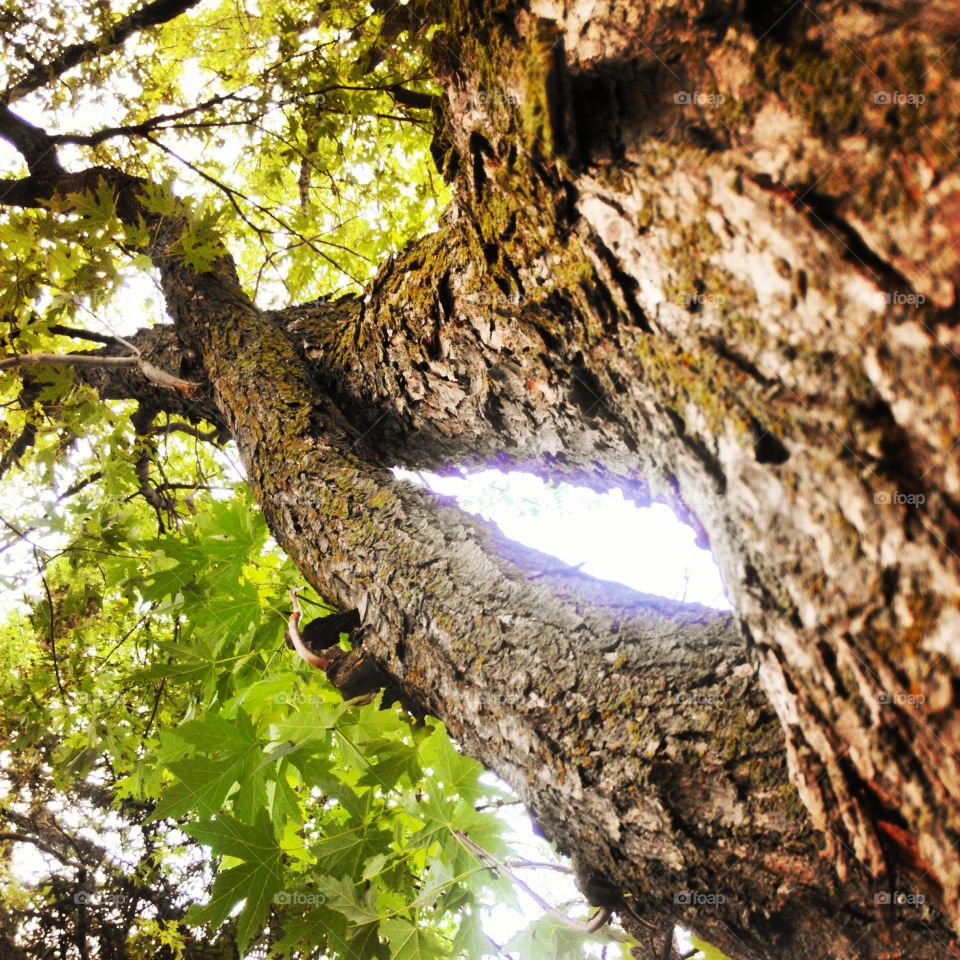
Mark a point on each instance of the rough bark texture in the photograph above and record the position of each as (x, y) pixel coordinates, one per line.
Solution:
(694, 254)
(735, 282)
(631, 726)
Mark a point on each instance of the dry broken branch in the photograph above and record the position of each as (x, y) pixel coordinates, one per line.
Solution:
(154, 374)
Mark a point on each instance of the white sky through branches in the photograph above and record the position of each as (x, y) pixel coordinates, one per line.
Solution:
(648, 549)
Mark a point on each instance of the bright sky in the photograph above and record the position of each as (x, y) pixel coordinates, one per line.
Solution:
(648, 548)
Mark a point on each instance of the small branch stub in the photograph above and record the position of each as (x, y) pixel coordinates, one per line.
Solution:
(293, 632)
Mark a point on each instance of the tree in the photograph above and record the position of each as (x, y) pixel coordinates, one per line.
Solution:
(706, 254)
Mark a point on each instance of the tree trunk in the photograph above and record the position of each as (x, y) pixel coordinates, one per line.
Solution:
(631, 726)
(720, 250)
(705, 253)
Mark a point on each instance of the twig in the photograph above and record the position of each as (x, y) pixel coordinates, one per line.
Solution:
(168, 485)
(150, 15)
(160, 503)
(40, 845)
(189, 429)
(79, 485)
(122, 640)
(170, 121)
(232, 195)
(154, 374)
(18, 534)
(62, 330)
(537, 865)
(592, 925)
(153, 712)
(497, 804)
(53, 638)
(16, 450)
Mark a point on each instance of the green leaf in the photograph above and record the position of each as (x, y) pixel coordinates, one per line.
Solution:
(255, 885)
(389, 763)
(471, 942)
(407, 941)
(232, 752)
(255, 881)
(548, 939)
(228, 837)
(374, 866)
(345, 848)
(194, 662)
(342, 896)
(310, 721)
(459, 775)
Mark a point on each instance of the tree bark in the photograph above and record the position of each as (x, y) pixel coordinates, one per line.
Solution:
(719, 266)
(631, 726)
(691, 255)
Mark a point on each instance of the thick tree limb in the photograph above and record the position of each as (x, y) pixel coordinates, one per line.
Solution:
(35, 145)
(829, 587)
(764, 341)
(522, 643)
(455, 614)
